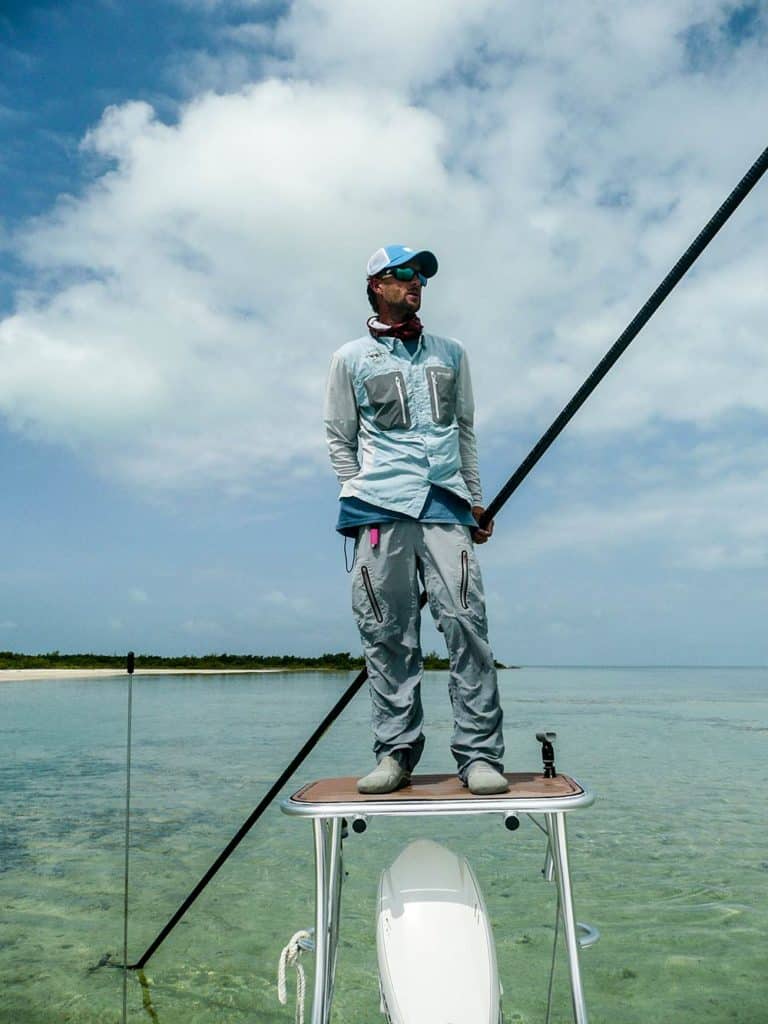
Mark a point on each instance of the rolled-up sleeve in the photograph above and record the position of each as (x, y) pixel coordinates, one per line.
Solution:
(465, 416)
(341, 420)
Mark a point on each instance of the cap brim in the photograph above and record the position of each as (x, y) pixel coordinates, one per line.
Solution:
(427, 261)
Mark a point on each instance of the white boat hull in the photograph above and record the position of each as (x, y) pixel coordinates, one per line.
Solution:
(437, 959)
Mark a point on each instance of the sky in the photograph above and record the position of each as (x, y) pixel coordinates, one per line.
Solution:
(189, 193)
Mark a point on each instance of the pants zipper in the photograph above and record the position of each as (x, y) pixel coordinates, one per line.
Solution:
(464, 587)
(371, 596)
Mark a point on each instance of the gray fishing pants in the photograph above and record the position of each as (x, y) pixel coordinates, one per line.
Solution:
(386, 586)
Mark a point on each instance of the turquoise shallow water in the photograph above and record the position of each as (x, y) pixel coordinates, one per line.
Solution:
(670, 863)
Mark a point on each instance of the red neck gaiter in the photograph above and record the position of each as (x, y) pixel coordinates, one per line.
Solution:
(409, 330)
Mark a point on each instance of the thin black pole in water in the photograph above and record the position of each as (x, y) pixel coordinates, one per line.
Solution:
(129, 669)
(685, 262)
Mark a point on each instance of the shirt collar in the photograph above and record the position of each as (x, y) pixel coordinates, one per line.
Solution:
(389, 342)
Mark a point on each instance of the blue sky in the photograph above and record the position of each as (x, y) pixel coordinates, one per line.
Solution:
(189, 192)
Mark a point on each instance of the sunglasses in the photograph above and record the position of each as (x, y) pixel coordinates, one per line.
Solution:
(405, 274)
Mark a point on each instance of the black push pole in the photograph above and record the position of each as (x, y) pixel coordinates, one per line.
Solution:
(692, 253)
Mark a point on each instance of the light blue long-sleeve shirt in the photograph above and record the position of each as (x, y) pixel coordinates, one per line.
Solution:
(396, 423)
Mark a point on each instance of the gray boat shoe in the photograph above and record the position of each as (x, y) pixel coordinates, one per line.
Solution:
(386, 777)
(484, 780)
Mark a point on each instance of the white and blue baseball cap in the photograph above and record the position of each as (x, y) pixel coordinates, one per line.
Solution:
(395, 255)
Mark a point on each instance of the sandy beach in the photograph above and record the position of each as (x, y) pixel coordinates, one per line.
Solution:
(15, 675)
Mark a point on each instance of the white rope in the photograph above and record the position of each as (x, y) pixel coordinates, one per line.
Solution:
(290, 958)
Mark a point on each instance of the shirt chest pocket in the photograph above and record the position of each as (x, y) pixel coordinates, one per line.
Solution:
(388, 398)
(441, 382)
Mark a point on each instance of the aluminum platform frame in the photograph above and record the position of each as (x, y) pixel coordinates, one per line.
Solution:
(331, 803)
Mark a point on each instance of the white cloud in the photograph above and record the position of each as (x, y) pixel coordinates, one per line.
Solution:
(393, 48)
(703, 510)
(193, 297)
(181, 311)
(279, 599)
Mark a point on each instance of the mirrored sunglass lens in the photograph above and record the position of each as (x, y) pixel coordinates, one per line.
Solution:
(408, 274)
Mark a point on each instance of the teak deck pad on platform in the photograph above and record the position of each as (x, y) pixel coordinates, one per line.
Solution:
(522, 786)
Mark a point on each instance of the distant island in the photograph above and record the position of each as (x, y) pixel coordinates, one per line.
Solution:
(341, 661)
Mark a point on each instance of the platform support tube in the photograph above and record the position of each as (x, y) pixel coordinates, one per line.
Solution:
(334, 905)
(320, 1001)
(558, 843)
(327, 835)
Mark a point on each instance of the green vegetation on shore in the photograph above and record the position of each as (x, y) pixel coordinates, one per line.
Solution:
(341, 661)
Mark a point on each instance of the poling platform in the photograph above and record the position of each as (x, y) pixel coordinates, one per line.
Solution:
(426, 794)
(333, 803)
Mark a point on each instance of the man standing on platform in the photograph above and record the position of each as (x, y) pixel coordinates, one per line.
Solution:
(399, 418)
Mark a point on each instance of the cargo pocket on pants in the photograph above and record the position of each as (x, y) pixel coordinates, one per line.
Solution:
(370, 593)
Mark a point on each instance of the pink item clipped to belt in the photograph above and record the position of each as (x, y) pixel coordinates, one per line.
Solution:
(374, 536)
